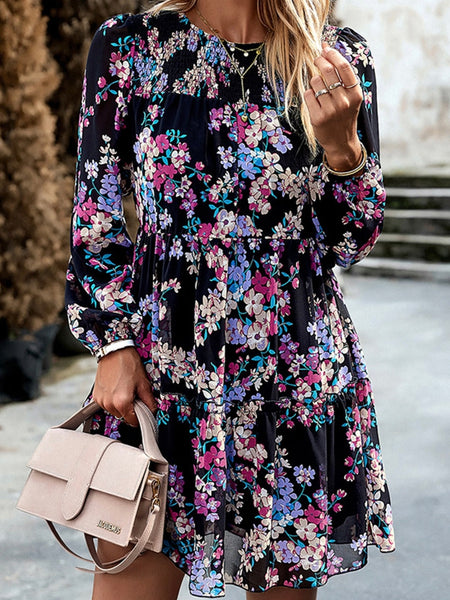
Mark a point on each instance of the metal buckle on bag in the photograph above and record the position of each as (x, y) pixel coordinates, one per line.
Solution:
(155, 484)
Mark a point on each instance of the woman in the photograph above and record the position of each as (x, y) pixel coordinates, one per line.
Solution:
(248, 132)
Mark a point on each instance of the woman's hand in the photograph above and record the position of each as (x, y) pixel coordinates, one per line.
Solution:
(334, 112)
(120, 379)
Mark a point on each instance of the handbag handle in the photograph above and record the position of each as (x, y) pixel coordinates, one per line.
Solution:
(147, 424)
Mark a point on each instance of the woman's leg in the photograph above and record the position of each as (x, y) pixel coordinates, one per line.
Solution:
(151, 577)
(283, 593)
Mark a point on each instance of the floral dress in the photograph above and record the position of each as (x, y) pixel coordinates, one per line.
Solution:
(265, 407)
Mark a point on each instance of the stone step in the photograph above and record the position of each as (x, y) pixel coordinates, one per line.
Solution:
(417, 221)
(390, 267)
(417, 181)
(410, 198)
(432, 248)
(416, 237)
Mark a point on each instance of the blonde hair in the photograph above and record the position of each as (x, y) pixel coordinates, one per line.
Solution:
(295, 29)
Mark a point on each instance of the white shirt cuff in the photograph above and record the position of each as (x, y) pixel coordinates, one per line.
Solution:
(112, 347)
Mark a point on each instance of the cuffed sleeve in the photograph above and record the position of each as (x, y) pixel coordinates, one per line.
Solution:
(99, 300)
(348, 212)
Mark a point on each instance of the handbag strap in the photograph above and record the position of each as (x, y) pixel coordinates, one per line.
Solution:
(147, 423)
(115, 566)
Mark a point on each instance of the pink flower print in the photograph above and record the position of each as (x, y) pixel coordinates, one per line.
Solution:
(312, 378)
(101, 96)
(203, 429)
(212, 506)
(86, 210)
(212, 457)
(354, 439)
(120, 68)
(273, 323)
(233, 368)
(240, 127)
(259, 282)
(77, 238)
(312, 360)
(162, 141)
(334, 563)
(200, 502)
(216, 119)
(318, 517)
(247, 474)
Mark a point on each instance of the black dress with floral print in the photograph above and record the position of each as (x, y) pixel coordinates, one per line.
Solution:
(265, 407)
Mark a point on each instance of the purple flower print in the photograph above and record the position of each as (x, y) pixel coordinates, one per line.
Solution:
(289, 552)
(192, 42)
(227, 157)
(304, 475)
(246, 163)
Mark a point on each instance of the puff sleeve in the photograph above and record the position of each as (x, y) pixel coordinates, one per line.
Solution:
(348, 213)
(99, 299)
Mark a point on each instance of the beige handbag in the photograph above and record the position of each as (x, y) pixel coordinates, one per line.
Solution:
(102, 487)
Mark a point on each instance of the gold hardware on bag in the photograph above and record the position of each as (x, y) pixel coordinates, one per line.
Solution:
(156, 487)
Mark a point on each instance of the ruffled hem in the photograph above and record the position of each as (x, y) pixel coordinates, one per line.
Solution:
(357, 567)
(259, 497)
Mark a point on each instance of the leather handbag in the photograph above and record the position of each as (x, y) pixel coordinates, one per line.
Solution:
(100, 486)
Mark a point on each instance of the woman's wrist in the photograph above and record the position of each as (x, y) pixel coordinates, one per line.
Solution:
(353, 167)
(344, 158)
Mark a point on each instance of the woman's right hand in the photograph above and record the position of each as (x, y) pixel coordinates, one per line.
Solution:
(121, 378)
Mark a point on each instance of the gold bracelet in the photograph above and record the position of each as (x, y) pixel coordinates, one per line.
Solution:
(360, 166)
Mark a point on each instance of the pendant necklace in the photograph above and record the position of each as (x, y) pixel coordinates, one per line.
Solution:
(240, 71)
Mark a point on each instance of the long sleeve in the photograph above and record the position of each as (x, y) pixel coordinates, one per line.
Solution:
(99, 301)
(348, 213)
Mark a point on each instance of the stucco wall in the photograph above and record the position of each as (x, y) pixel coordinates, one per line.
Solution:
(410, 40)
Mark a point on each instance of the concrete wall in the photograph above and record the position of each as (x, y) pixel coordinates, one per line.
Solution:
(410, 40)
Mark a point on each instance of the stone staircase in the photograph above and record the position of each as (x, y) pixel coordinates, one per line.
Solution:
(415, 242)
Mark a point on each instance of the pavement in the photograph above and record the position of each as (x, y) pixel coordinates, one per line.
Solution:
(405, 330)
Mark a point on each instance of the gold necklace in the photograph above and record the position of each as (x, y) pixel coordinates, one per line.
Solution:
(236, 67)
(245, 51)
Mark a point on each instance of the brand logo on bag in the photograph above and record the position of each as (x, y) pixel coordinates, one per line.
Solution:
(109, 527)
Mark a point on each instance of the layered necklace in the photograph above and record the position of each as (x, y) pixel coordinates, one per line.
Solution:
(240, 71)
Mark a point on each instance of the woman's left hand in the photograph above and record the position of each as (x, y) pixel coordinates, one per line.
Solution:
(333, 102)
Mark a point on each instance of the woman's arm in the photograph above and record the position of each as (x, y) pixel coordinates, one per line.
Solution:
(102, 312)
(347, 211)
(99, 300)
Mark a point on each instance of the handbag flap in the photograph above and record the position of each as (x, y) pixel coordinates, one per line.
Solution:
(89, 461)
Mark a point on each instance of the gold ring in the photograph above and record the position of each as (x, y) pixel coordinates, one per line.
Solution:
(335, 85)
(321, 93)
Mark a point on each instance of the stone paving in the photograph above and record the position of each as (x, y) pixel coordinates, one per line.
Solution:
(405, 330)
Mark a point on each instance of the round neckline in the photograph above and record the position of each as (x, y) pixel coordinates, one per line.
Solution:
(210, 36)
